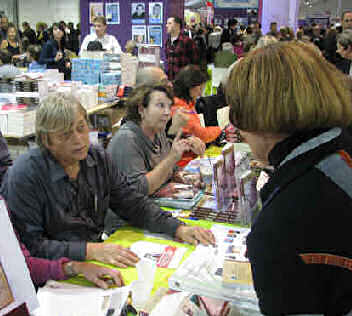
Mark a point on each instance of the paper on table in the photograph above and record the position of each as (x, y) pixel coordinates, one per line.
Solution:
(165, 256)
(14, 266)
(169, 304)
(223, 116)
(63, 299)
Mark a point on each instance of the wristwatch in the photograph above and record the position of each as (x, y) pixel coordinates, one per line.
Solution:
(69, 270)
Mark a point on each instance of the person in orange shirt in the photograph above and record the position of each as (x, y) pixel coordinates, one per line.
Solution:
(188, 86)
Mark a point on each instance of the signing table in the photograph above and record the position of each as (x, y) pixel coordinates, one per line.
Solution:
(128, 237)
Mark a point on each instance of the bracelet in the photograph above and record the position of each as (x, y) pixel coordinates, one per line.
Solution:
(69, 270)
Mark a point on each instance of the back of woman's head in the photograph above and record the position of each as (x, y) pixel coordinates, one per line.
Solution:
(187, 78)
(141, 97)
(286, 87)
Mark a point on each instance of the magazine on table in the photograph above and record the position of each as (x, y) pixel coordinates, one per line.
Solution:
(202, 273)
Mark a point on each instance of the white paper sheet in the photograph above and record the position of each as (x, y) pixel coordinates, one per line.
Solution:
(14, 266)
(223, 116)
(63, 299)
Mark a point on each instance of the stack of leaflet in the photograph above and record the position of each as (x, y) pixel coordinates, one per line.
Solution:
(30, 91)
(21, 123)
(178, 195)
(205, 272)
(207, 210)
(111, 74)
(7, 85)
(87, 70)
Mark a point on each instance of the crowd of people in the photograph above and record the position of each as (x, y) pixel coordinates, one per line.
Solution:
(288, 99)
(240, 39)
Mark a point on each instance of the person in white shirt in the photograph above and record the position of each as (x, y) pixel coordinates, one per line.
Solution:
(109, 42)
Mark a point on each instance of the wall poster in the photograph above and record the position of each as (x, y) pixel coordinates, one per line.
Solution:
(155, 35)
(139, 34)
(155, 12)
(112, 12)
(138, 13)
(95, 9)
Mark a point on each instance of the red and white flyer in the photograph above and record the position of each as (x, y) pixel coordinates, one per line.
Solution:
(164, 256)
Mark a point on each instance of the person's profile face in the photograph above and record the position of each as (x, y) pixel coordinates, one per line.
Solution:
(158, 112)
(347, 21)
(100, 28)
(170, 25)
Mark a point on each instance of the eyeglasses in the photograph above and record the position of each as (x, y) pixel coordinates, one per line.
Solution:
(348, 20)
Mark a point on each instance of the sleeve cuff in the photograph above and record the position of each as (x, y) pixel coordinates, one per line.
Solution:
(77, 250)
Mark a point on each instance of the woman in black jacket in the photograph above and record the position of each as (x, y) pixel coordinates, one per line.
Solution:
(53, 52)
(292, 106)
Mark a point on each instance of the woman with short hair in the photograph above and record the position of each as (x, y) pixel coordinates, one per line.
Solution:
(292, 107)
(140, 148)
(188, 87)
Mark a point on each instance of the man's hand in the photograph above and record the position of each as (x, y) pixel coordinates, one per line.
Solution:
(195, 235)
(100, 276)
(196, 145)
(111, 254)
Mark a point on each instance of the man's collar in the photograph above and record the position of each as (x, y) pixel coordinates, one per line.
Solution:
(57, 172)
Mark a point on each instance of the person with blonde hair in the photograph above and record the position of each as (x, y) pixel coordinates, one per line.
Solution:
(292, 108)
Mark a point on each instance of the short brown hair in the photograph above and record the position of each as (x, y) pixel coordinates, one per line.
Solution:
(286, 87)
(188, 77)
(141, 96)
(100, 19)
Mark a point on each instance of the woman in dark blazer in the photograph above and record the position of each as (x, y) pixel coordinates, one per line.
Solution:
(53, 52)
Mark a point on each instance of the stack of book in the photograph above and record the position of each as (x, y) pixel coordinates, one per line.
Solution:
(29, 91)
(207, 209)
(21, 123)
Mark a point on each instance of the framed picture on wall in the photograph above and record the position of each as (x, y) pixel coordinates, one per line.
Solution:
(155, 13)
(112, 12)
(95, 9)
(155, 34)
(138, 13)
(139, 34)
